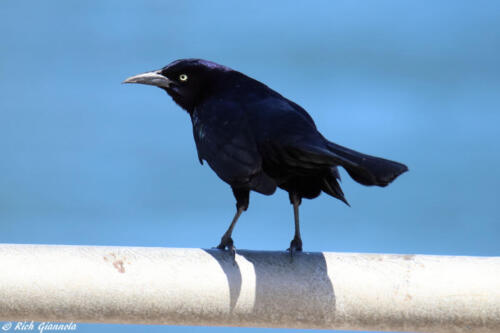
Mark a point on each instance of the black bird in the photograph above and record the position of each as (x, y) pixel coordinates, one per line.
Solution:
(256, 140)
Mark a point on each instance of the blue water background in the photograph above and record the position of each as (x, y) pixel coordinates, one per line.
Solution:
(86, 160)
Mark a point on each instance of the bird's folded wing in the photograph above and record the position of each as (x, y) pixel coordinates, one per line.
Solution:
(287, 137)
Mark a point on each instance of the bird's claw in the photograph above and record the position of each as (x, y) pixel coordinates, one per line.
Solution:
(227, 243)
(295, 246)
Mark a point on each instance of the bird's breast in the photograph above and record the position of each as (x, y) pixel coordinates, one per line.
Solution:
(198, 127)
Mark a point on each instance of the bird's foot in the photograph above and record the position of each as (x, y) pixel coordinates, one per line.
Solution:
(227, 243)
(295, 246)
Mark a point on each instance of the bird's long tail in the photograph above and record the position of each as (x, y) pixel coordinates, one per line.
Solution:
(366, 169)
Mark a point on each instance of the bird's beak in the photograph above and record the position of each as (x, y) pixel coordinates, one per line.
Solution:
(153, 78)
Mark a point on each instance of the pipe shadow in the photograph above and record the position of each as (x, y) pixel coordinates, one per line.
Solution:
(285, 289)
(232, 272)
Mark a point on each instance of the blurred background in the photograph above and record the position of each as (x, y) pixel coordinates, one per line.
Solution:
(86, 160)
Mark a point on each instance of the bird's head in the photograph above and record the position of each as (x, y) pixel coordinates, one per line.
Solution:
(187, 81)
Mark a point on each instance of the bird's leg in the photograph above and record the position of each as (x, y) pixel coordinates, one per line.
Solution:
(226, 240)
(296, 243)
(242, 199)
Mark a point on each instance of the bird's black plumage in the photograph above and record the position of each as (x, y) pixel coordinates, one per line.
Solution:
(257, 140)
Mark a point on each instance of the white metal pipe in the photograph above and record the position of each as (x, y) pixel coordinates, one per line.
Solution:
(261, 289)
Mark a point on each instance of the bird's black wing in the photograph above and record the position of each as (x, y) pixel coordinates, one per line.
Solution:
(294, 153)
(225, 140)
(288, 139)
(287, 136)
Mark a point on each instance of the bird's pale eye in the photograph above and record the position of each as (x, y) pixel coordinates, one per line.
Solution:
(183, 77)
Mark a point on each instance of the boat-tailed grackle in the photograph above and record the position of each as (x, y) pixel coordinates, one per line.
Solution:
(257, 140)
